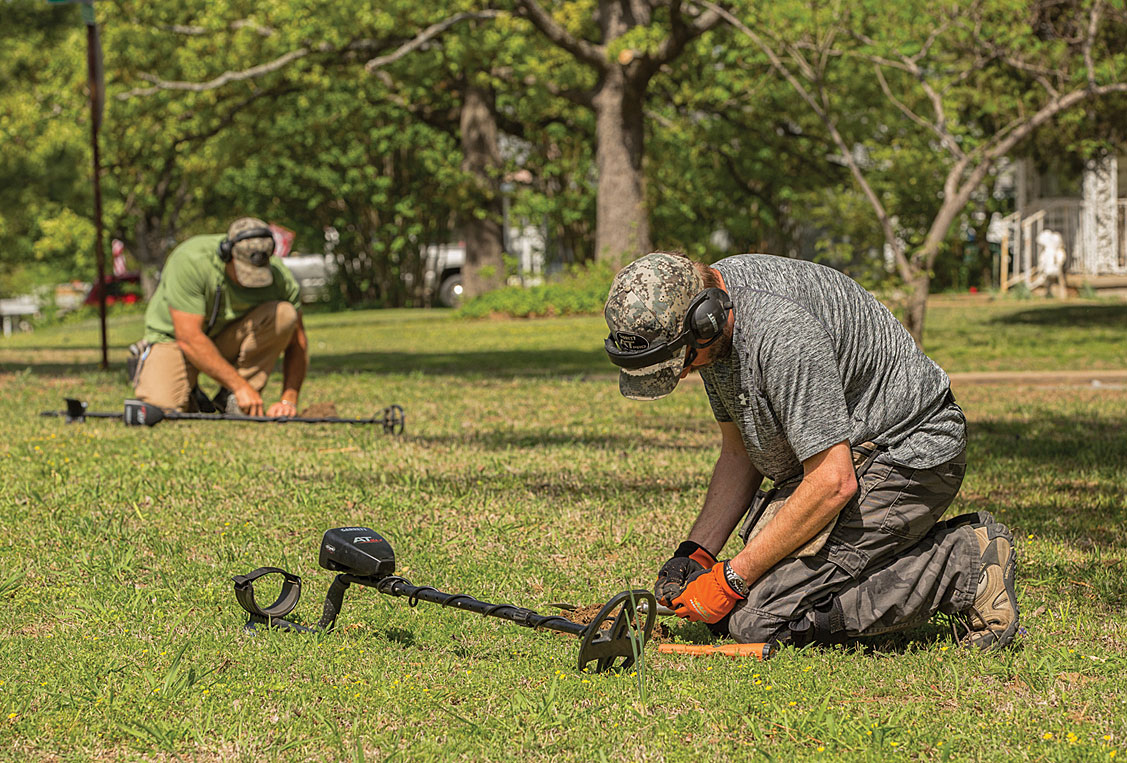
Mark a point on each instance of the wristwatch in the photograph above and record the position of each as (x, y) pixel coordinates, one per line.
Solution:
(738, 584)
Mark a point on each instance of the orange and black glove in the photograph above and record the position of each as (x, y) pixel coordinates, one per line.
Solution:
(709, 596)
(689, 559)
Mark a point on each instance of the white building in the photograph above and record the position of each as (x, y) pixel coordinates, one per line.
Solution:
(1089, 214)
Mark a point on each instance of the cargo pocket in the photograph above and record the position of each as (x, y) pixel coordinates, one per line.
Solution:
(848, 558)
(871, 478)
(921, 496)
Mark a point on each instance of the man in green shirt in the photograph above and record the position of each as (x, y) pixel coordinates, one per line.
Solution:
(225, 307)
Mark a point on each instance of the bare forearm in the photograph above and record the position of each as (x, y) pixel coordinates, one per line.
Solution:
(294, 366)
(202, 353)
(799, 520)
(829, 484)
(734, 482)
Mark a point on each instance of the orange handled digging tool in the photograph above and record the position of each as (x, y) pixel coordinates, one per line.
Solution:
(758, 651)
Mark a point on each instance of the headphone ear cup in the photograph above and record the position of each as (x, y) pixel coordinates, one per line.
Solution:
(709, 315)
(225, 250)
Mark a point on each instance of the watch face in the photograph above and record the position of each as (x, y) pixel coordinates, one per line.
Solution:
(738, 584)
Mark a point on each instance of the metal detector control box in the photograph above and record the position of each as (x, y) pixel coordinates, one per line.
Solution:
(359, 551)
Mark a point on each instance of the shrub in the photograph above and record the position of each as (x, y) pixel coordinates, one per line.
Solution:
(581, 289)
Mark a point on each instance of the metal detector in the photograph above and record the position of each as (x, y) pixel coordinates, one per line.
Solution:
(138, 414)
(613, 640)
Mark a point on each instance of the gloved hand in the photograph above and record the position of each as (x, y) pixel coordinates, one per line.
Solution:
(707, 597)
(688, 559)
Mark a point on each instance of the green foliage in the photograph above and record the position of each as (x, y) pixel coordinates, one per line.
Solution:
(582, 289)
(734, 160)
(67, 235)
(45, 161)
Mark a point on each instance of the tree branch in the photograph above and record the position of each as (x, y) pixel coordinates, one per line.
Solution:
(199, 31)
(1040, 74)
(228, 119)
(939, 126)
(681, 32)
(903, 266)
(286, 59)
(223, 79)
(425, 36)
(1089, 40)
(595, 55)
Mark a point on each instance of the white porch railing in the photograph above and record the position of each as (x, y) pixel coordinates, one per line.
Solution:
(1065, 216)
(1121, 226)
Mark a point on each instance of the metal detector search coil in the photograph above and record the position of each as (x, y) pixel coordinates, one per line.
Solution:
(612, 641)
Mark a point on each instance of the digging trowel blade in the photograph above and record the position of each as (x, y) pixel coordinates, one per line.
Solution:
(662, 610)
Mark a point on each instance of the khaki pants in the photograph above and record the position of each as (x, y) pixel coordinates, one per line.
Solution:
(251, 344)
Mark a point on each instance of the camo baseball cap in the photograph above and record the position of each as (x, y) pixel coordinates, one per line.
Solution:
(646, 306)
(249, 274)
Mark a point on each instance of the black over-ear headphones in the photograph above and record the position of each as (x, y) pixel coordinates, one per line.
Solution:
(704, 323)
(258, 259)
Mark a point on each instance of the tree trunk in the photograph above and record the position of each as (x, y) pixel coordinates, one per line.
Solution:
(149, 249)
(918, 286)
(484, 269)
(622, 225)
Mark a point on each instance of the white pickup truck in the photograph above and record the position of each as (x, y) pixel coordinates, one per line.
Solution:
(444, 273)
(313, 273)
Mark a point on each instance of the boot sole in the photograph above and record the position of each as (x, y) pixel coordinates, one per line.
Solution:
(1009, 577)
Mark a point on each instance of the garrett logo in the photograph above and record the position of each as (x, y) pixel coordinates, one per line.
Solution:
(631, 342)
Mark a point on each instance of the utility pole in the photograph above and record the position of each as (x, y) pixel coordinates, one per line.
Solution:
(96, 78)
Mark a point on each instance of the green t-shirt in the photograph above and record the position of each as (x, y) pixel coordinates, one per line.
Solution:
(193, 273)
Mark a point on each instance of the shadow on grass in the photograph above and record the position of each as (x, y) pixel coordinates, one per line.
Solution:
(539, 438)
(63, 370)
(1081, 460)
(625, 491)
(494, 363)
(1075, 316)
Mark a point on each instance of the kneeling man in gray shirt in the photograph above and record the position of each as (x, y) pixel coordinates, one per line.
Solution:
(817, 387)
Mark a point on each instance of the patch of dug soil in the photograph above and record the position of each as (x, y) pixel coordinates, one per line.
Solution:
(585, 615)
(320, 411)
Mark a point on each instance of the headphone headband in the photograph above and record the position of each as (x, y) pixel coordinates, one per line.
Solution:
(703, 324)
(227, 245)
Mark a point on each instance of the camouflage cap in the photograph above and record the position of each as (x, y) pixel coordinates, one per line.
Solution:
(250, 274)
(646, 306)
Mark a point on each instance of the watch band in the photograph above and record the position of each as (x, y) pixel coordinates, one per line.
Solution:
(735, 582)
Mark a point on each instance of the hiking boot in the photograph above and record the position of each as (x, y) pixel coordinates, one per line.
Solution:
(199, 402)
(971, 518)
(993, 618)
(225, 402)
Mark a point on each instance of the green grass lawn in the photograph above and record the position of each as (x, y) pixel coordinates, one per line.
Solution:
(525, 478)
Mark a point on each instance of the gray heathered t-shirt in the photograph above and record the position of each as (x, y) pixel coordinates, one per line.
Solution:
(816, 360)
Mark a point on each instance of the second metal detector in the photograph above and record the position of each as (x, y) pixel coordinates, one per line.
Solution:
(138, 414)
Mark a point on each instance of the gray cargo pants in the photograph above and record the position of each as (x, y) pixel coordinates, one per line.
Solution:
(885, 566)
